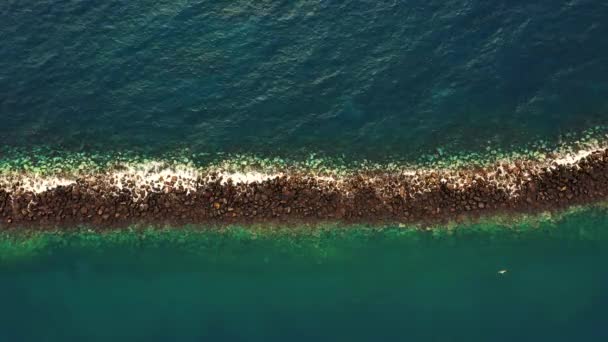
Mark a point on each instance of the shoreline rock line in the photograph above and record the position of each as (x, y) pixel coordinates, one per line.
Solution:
(115, 200)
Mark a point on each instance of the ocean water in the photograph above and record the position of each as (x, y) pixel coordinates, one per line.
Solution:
(360, 79)
(358, 284)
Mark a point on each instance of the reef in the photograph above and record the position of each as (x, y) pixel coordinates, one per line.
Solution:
(120, 197)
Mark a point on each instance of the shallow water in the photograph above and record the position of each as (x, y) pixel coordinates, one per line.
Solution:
(358, 284)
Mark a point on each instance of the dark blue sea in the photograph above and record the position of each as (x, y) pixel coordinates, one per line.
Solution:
(371, 78)
(359, 79)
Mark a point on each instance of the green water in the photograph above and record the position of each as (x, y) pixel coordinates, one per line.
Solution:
(331, 284)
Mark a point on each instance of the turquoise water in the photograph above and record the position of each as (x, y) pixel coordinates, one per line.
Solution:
(357, 284)
(382, 80)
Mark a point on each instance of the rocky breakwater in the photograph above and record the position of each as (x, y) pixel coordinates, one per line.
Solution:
(115, 199)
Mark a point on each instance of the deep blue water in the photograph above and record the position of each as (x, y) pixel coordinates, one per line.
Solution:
(366, 78)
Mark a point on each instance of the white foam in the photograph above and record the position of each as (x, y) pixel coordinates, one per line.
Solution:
(34, 183)
(248, 177)
(157, 173)
(158, 176)
(573, 158)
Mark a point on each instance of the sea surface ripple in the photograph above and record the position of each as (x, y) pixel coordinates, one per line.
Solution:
(354, 77)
